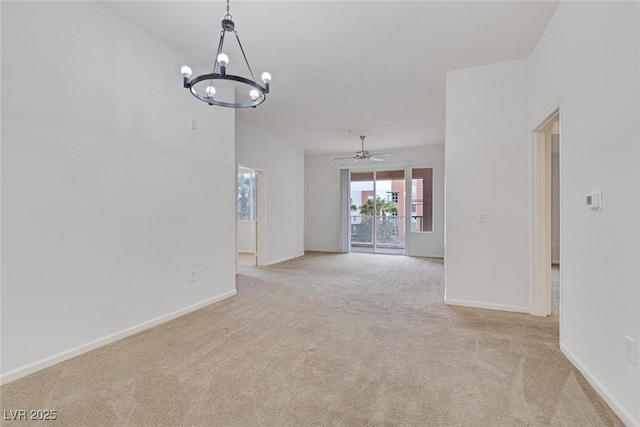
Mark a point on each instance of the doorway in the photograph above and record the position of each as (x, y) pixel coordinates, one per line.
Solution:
(251, 216)
(247, 207)
(377, 212)
(546, 217)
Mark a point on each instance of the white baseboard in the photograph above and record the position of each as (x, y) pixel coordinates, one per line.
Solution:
(486, 305)
(92, 345)
(278, 261)
(241, 251)
(626, 417)
(300, 254)
(438, 256)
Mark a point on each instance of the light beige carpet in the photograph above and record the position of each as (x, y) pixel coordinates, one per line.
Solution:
(325, 340)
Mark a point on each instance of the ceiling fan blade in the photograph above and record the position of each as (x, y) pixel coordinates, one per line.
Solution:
(365, 155)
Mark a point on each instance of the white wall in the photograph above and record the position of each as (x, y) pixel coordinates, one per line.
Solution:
(283, 166)
(108, 198)
(486, 153)
(587, 63)
(322, 205)
(246, 233)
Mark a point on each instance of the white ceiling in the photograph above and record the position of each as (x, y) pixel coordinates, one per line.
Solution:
(341, 69)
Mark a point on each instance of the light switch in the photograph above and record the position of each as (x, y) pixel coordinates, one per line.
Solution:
(594, 200)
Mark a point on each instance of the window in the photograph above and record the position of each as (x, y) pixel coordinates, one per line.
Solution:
(422, 199)
(246, 194)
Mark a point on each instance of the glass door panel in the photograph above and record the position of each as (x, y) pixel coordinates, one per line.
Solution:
(362, 213)
(390, 215)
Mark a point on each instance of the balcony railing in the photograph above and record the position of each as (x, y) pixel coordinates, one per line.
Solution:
(389, 231)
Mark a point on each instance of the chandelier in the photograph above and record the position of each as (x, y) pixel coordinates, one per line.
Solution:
(246, 92)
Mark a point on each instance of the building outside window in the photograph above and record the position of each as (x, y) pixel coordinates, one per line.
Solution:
(422, 199)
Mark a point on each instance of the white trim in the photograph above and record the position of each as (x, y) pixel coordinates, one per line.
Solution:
(261, 217)
(242, 165)
(278, 261)
(300, 254)
(92, 345)
(240, 251)
(617, 407)
(486, 305)
(439, 256)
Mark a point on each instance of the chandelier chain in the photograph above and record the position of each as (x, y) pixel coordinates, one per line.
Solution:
(228, 15)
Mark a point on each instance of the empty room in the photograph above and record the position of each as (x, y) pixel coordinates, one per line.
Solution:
(320, 213)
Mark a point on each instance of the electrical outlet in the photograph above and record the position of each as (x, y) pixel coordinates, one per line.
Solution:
(630, 350)
(484, 217)
(192, 275)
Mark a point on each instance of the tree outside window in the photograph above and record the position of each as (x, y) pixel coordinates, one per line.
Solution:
(246, 194)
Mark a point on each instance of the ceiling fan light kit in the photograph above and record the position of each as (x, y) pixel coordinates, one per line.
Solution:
(365, 155)
(203, 87)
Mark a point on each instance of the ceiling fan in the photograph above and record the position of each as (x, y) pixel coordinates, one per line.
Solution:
(365, 155)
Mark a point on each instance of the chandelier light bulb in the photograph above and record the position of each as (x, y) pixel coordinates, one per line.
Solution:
(186, 71)
(211, 91)
(223, 59)
(266, 77)
(254, 94)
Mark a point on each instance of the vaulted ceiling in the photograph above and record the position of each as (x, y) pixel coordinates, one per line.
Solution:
(341, 69)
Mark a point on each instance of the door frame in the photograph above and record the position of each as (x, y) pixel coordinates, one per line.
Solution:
(540, 216)
(261, 217)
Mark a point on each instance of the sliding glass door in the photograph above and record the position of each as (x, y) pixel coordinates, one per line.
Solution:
(377, 218)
